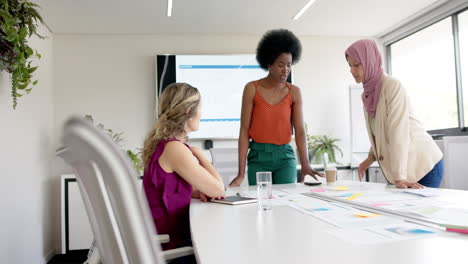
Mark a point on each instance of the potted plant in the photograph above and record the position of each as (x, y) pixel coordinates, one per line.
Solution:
(319, 145)
(18, 21)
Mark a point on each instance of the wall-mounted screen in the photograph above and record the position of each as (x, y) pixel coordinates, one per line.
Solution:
(220, 79)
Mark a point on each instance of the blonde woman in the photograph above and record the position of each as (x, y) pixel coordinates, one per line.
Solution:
(174, 171)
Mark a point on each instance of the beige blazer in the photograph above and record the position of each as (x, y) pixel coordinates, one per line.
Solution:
(404, 150)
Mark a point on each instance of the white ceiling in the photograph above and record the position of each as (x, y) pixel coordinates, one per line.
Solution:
(324, 17)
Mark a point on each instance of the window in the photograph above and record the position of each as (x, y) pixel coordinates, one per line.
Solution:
(463, 35)
(425, 64)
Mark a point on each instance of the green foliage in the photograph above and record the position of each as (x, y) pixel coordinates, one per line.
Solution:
(135, 157)
(18, 21)
(320, 145)
(136, 160)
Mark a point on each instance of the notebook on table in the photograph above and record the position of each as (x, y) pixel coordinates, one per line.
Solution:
(234, 200)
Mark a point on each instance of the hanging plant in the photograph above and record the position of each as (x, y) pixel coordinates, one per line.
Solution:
(18, 21)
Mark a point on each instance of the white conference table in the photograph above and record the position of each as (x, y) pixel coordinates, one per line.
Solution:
(241, 234)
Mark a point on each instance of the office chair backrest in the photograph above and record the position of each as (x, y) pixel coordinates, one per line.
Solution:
(455, 165)
(119, 217)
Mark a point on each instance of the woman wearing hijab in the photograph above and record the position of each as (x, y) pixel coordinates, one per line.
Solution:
(407, 155)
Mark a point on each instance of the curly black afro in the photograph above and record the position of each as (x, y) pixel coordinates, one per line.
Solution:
(275, 42)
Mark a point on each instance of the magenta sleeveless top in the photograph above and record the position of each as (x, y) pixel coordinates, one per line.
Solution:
(169, 198)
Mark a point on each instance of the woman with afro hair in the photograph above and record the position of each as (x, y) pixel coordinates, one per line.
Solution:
(271, 107)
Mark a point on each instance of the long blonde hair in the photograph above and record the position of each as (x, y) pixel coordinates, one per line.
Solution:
(174, 102)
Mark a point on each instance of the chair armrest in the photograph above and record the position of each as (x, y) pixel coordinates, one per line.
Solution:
(177, 252)
(162, 238)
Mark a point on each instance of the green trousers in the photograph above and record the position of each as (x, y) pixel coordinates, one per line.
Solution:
(279, 159)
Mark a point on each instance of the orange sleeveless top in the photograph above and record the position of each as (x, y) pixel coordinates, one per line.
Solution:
(271, 123)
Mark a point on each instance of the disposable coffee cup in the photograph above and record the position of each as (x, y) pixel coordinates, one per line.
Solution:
(330, 174)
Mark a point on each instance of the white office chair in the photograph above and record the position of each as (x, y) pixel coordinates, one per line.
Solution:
(455, 151)
(225, 160)
(120, 217)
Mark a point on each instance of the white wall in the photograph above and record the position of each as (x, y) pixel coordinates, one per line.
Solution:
(27, 221)
(113, 77)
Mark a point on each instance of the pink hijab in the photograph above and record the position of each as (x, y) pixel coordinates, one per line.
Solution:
(366, 52)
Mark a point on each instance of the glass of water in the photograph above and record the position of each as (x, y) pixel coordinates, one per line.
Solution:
(264, 190)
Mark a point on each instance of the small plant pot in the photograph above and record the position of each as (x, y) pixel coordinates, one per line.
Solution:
(314, 159)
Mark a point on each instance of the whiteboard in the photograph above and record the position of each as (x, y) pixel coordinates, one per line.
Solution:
(220, 80)
(359, 138)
